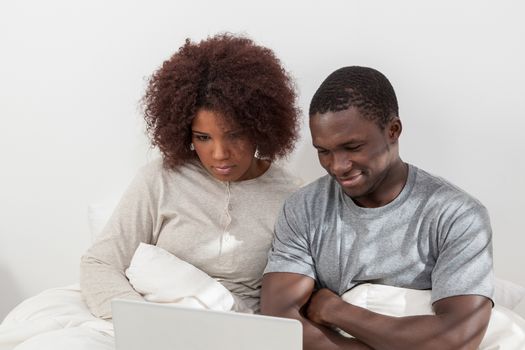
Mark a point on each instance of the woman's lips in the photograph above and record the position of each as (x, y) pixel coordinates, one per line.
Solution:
(223, 169)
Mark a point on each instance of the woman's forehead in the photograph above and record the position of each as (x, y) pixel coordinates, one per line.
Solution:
(206, 119)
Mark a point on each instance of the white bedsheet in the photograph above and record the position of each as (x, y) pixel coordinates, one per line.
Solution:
(58, 319)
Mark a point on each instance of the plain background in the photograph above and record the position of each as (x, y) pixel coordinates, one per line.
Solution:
(72, 74)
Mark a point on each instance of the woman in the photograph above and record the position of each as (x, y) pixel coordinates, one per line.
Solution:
(220, 111)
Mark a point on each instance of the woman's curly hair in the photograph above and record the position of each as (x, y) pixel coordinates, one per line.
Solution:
(230, 75)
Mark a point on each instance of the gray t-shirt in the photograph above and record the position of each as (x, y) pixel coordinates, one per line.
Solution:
(432, 236)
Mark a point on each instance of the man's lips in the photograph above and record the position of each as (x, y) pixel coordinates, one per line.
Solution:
(349, 180)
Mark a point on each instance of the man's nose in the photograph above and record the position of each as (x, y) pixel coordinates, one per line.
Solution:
(340, 164)
(221, 151)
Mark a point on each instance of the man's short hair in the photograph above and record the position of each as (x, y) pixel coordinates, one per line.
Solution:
(364, 88)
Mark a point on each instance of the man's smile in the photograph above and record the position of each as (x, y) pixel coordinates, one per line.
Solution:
(351, 179)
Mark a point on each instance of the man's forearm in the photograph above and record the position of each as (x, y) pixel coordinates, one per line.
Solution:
(385, 332)
(318, 337)
(427, 332)
(285, 295)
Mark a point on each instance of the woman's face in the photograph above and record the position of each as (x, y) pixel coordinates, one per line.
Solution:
(223, 148)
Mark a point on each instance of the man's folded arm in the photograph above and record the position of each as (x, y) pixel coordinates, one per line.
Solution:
(459, 323)
(285, 295)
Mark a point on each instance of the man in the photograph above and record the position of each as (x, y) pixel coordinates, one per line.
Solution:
(377, 219)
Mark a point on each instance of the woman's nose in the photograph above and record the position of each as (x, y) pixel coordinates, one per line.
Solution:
(221, 151)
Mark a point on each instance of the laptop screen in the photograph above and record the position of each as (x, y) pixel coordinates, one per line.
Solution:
(143, 325)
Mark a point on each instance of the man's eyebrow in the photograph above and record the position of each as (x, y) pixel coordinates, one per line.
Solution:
(348, 143)
(352, 142)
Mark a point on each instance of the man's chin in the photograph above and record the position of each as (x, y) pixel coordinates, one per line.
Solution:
(353, 188)
(351, 191)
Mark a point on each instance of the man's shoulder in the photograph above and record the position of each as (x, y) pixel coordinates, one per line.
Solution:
(323, 186)
(441, 190)
(316, 197)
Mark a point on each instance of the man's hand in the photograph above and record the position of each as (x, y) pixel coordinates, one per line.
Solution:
(322, 303)
(286, 294)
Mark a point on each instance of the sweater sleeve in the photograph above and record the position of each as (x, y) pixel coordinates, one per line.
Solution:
(103, 266)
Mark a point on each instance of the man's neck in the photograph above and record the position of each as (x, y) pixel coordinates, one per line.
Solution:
(390, 187)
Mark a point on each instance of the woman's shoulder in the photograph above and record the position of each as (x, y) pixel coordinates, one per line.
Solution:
(154, 166)
(156, 169)
(279, 174)
(155, 179)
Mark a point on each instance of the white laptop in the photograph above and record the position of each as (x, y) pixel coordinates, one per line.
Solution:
(150, 326)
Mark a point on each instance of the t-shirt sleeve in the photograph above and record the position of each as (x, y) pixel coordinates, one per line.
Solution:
(464, 265)
(290, 250)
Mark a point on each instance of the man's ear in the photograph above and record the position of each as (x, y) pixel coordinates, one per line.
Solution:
(394, 128)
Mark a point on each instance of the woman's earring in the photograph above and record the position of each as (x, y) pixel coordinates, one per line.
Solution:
(192, 147)
(257, 154)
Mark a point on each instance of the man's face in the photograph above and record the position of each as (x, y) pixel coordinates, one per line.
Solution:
(356, 151)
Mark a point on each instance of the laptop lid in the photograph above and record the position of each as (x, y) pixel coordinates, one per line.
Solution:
(141, 325)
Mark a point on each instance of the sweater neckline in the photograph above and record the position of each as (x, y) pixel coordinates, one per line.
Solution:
(264, 175)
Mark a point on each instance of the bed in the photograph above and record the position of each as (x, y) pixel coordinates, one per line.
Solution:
(58, 319)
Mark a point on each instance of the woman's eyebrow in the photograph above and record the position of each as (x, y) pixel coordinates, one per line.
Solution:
(198, 132)
(226, 132)
(235, 131)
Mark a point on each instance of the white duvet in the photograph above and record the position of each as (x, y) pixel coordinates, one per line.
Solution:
(55, 319)
(58, 319)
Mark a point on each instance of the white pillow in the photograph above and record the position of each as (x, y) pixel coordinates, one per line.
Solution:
(163, 278)
(506, 329)
(507, 293)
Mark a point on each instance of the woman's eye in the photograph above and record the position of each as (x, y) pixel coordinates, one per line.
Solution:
(202, 137)
(322, 151)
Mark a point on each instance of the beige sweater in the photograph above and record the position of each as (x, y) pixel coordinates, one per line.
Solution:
(223, 228)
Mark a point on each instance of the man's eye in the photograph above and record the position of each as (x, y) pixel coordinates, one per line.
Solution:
(353, 148)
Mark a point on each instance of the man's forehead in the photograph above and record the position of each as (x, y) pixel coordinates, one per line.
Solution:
(336, 140)
(349, 112)
(349, 119)
(342, 127)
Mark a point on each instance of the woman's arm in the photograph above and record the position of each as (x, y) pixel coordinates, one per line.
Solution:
(102, 267)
